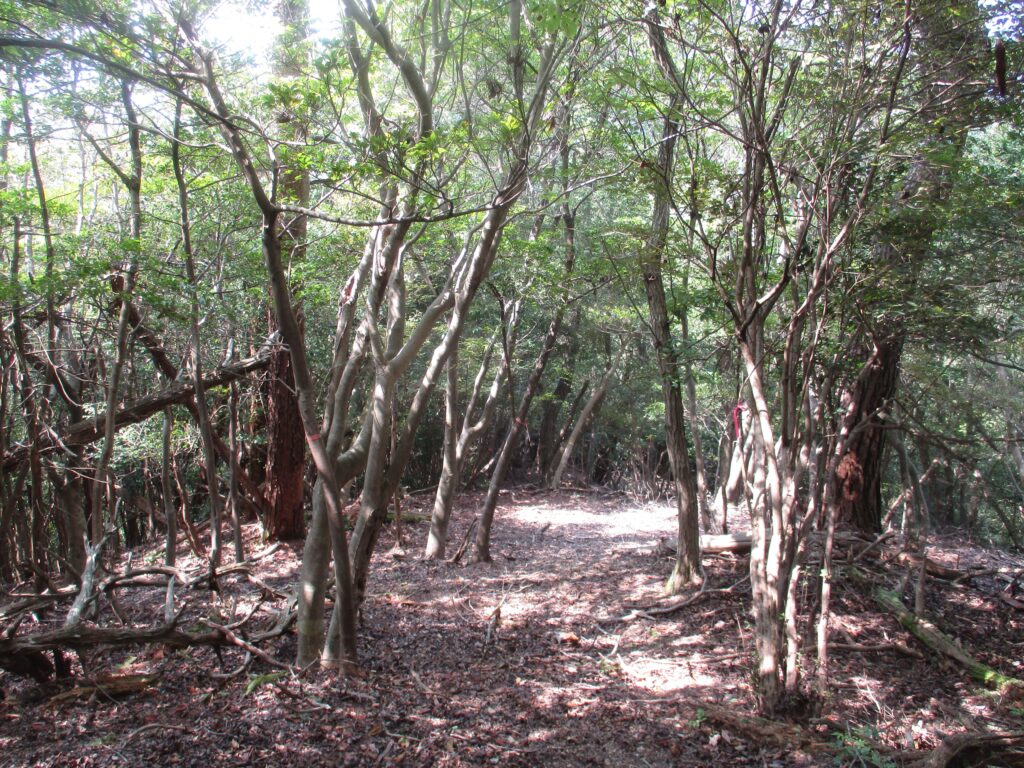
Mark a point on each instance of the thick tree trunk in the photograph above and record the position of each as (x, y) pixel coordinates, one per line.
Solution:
(285, 468)
(286, 455)
(870, 396)
(950, 50)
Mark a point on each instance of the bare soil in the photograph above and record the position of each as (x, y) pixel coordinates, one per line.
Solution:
(526, 662)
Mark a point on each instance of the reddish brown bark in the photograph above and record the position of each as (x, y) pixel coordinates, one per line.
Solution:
(872, 393)
(286, 445)
(286, 452)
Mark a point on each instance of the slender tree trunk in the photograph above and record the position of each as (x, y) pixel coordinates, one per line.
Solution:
(437, 538)
(170, 550)
(482, 542)
(687, 567)
(124, 289)
(548, 441)
(233, 494)
(707, 515)
(566, 450)
(451, 473)
(202, 410)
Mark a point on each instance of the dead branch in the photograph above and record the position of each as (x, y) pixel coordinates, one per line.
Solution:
(104, 685)
(90, 430)
(931, 636)
(23, 654)
(649, 612)
(975, 749)
(878, 648)
(465, 543)
(233, 639)
(762, 731)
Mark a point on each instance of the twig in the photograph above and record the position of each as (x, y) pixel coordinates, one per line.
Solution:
(649, 612)
(157, 727)
(886, 535)
(234, 639)
(465, 543)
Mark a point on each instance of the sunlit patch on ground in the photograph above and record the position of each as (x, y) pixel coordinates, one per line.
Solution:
(524, 662)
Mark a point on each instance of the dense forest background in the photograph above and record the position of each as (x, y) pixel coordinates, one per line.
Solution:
(761, 259)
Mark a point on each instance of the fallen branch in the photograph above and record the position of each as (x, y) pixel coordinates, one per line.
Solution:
(105, 685)
(23, 654)
(931, 636)
(465, 543)
(877, 648)
(974, 749)
(882, 538)
(931, 567)
(649, 612)
(760, 730)
(246, 646)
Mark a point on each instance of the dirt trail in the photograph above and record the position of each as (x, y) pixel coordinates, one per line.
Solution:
(522, 662)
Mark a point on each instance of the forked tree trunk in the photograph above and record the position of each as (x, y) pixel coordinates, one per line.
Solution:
(451, 471)
(566, 450)
(291, 333)
(482, 542)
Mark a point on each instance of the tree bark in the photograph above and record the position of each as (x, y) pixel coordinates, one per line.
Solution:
(286, 455)
(565, 451)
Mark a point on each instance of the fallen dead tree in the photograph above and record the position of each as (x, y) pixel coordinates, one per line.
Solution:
(740, 543)
(25, 654)
(713, 544)
(938, 641)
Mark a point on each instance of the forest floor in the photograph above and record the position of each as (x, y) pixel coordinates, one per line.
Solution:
(528, 662)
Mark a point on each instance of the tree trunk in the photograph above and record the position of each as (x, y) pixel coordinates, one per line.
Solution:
(170, 549)
(687, 567)
(565, 451)
(951, 47)
(437, 538)
(548, 441)
(869, 396)
(451, 472)
(286, 455)
(482, 542)
(202, 410)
